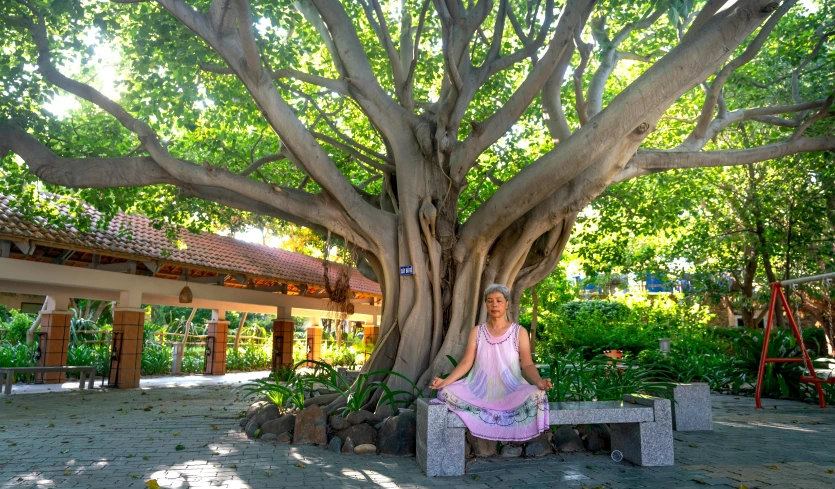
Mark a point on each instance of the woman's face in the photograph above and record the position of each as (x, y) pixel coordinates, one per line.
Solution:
(496, 305)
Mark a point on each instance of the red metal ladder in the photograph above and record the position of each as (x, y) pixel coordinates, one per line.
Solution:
(812, 378)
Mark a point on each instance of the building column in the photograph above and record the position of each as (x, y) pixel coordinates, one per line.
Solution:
(282, 343)
(314, 342)
(218, 327)
(370, 334)
(54, 339)
(128, 343)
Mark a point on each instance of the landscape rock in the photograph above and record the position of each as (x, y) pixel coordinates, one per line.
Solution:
(361, 416)
(284, 438)
(397, 435)
(595, 437)
(362, 434)
(348, 446)
(251, 427)
(535, 449)
(339, 423)
(254, 408)
(266, 413)
(335, 445)
(268, 436)
(365, 449)
(311, 427)
(540, 446)
(510, 451)
(567, 440)
(280, 425)
(480, 446)
(244, 422)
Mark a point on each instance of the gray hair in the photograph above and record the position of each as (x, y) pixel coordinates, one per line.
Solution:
(501, 288)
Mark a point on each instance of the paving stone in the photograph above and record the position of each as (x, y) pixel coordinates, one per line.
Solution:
(102, 457)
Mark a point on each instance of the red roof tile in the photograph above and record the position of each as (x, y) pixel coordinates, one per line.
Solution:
(134, 235)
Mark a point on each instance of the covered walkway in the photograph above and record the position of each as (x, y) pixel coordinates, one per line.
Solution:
(132, 264)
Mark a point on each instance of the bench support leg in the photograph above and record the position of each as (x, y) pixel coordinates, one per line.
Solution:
(440, 450)
(649, 444)
(9, 381)
(81, 377)
(92, 378)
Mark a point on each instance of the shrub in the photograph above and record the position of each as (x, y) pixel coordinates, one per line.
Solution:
(89, 356)
(16, 355)
(249, 357)
(18, 325)
(576, 378)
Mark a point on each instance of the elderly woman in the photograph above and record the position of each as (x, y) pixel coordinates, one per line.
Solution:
(493, 400)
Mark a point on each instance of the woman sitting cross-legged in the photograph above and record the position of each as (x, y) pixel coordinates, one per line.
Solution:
(493, 400)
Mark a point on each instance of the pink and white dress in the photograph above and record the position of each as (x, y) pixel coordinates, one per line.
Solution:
(494, 401)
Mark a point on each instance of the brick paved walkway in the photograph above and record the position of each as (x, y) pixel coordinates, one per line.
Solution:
(188, 437)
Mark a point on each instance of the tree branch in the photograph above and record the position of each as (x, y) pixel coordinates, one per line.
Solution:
(617, 130)
(465, 155)
(652, 161)
(336, 86)
(715, 90)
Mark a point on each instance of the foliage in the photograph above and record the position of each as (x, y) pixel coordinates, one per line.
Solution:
(290, 393)
(90, 356)
(781, 379)
(341, 356)
(360, 394)
(18, 324)
(156, 359)
(16, 355)
(249, 357)
(626, 322)
(576, 378)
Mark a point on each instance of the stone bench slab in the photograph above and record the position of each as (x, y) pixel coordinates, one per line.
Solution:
(597, 412)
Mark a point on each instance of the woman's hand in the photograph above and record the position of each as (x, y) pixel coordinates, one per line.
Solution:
(544, 384)
(437, 384)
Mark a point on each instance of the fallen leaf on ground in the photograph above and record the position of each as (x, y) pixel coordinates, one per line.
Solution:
(699, 481)
(300, 465)
(269, 474)
(179, 447)
(134, 475)
(214, 427)
(176, 433)
(144, 457)
(152, 484)
(67, 472)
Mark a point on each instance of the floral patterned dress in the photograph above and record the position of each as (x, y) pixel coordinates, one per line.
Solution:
(494, 401)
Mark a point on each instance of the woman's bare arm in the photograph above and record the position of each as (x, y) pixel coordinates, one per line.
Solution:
(464, 365)
(526, 360)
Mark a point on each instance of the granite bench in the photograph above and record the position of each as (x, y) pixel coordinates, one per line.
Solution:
(641, 428)
(9, 372)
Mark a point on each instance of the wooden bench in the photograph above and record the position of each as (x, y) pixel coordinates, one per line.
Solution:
(10, 372)
(641, 428)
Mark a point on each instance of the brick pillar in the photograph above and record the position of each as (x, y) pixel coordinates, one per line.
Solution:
(216, 358)
(282, 343)
(128, 328)
(56, 325)
(314, 343)
(370, 334)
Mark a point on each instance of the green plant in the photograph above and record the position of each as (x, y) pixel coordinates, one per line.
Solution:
(249, 357)
(18, 326)
(90, 355)
(156, 359)
(576, 378)
(360, 393)
(283, 396)
(16, 355)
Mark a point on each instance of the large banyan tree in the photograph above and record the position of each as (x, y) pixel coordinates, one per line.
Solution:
(459, 137)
